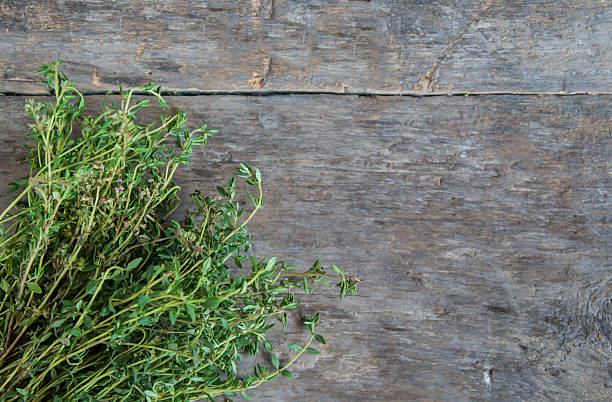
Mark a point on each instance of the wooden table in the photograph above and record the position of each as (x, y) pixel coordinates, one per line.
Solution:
(454, 155)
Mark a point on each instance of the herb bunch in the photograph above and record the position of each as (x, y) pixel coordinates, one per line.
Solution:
(103, 296)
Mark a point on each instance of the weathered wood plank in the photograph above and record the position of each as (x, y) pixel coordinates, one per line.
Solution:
(480, 226)
(353, 46)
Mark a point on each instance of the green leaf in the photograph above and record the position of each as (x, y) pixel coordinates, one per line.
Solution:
(313, 351)
(319, 338)
(212, 302)
(251, 198)
(57, 323)
(134, 263)
(246, 396)
(271, 264)
(87, 321)
(172, 315)
(337, 269)
(29, 321)
(258, 175)
(91, 287)
(295, 346)
(316, 317)
(143, 299)
(33, 286)
(110, 307)
(4, 285)
(287, 373)
(151, 394)
(191, 311)
(206, 265)
(274, 360)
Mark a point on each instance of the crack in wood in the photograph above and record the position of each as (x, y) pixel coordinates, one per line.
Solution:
(428, 80)
(399, 94)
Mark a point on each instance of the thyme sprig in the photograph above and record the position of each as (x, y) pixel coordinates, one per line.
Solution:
(103, 296)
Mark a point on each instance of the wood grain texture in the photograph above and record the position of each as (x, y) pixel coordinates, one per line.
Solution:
(326, 45)
(480, 226)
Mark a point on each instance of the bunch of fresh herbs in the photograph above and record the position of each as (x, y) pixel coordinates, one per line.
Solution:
(103, 296)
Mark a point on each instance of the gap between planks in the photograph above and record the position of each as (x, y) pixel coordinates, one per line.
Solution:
(415, 94)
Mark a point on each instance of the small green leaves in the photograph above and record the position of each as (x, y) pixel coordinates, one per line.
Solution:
(146, 321)
(310, 323)
(319, 338)
(253, 176)
(271, 263)
(347, 286)
(133, 264)
(251, 198)
(274, 360)
(272, 377)
(110, 306)
(34, 287)
(206, 265)
(143, 299)
(295, 346)
(191, 311)
(29, 321)
(91, 287)
(57, 323)
(313, 351)
(287, 373)
(246, 396)
(244, 171)
(337, 269)
(212, 302)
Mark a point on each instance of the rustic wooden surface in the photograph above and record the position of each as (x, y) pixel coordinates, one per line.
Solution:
(330, 45)
(480, 226)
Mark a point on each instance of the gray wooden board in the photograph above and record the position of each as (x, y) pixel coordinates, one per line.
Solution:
(330, 45)
(480, 227)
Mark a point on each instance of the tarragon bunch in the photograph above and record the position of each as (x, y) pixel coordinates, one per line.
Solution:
(103, 296)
